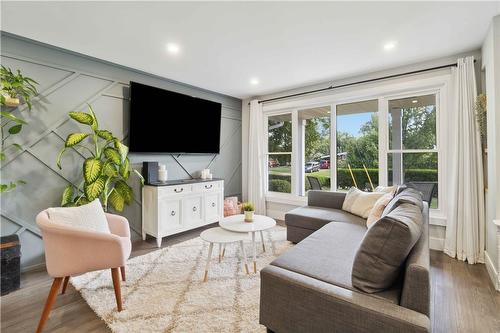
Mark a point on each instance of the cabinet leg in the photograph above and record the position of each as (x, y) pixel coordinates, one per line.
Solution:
(143, 236)
(158, 241)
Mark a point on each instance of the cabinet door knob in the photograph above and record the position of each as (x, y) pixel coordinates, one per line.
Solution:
(213, 204)
(172, 213)
(178, 191)
(194, 209)
(208, 186)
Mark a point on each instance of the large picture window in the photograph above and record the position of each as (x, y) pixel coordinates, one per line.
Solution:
(334, 144)
(357, 145)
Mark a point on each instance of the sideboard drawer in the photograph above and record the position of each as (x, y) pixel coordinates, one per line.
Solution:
(178, 189)
(206, 186)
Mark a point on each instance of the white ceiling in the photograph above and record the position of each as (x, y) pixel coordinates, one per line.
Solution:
(284, 45)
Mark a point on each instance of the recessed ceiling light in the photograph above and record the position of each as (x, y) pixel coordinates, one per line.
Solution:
(254, 81)
(173, 48)
(389, 46)
(414, 101)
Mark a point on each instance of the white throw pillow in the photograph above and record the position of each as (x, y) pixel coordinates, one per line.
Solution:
(88, 217)
(360, 203)
(386, 189)
(378, 209)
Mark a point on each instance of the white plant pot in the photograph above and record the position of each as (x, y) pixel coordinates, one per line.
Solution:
(11, 101)
(249, 216)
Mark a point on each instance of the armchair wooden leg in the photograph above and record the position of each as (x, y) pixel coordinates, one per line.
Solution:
(122, 270)
(65, 284)
(116, 285)
(56, 284)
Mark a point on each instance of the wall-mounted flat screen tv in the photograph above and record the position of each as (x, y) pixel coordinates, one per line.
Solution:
(163, 121)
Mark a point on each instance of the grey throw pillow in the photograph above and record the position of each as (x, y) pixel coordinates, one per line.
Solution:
(408, 195)
(384, 248)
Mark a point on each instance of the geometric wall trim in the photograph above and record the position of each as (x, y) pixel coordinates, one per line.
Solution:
(68, 82)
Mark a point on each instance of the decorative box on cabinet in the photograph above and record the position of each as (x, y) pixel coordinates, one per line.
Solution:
(177, 206)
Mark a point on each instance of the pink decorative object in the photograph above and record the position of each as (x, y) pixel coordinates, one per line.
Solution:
(231, 206)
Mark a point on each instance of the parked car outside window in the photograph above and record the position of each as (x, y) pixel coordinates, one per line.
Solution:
(312, 167)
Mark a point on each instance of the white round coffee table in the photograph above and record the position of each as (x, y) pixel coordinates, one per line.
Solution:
(260, 223)
(222, 237)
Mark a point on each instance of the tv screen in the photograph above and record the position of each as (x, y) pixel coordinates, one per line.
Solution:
(163, 121)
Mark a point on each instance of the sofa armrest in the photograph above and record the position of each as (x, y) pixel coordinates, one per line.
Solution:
(291, 302)
(325, 199)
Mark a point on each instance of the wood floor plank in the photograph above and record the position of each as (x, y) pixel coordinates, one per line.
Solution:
(464, 299)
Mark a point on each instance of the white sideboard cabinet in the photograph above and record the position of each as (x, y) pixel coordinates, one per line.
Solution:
(177, 206)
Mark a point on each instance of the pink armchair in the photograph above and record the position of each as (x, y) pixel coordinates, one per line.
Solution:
(72, 251)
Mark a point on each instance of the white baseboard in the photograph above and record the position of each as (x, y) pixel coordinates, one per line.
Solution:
(492, 271)
(436, 243)
(35, 267)
(276, 214)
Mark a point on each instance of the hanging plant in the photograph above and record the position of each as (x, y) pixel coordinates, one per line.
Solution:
(480, 108)
(105, 170)
(14, 89)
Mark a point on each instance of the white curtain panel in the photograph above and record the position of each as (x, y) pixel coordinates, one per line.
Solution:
(465, 229)
(256, 158)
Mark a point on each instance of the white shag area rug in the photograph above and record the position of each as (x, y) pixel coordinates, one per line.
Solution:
(165, 292)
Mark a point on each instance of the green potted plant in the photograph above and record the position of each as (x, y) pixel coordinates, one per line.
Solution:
(248, 209)
(16, 86)
(105, 170)
(480, 108)
(14, 89)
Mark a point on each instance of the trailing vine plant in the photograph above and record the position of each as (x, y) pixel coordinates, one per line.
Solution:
(480, 108)
(15, 89)
(105, 170)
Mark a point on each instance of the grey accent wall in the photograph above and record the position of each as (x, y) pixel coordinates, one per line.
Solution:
(68, 81)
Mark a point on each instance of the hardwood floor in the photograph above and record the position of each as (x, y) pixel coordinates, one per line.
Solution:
(464, 299)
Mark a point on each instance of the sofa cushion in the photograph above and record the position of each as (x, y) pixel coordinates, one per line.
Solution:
(313, 218)
(328, 254)
(378, 209)
(408, 195)
(384, 248)
(360, 203)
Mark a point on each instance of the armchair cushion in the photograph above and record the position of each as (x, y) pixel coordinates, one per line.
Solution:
(87, 217)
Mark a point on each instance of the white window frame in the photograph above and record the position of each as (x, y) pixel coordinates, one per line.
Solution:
(414, 85)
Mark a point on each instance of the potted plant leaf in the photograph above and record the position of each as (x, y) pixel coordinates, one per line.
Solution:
(14, 89)
(16, 86)
(249, 209)
(105, 170)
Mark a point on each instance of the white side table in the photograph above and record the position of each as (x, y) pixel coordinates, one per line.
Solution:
(222, 237)
(260, 223)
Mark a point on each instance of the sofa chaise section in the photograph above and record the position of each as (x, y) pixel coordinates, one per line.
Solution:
(309, 288)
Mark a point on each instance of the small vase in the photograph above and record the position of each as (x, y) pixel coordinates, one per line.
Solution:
(11, 101)
(249, 216)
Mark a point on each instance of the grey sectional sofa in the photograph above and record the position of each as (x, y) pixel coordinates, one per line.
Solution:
(309, 288)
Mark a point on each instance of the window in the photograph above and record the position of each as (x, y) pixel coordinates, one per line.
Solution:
(357, 145)
(413, 149)
(314, 131)
(279, 157)
(334, 142)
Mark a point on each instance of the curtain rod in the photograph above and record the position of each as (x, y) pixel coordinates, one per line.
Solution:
(358, 82)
